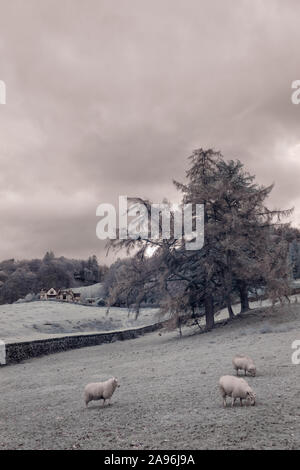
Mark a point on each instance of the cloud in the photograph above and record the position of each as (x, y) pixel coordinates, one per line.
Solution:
(108, 98)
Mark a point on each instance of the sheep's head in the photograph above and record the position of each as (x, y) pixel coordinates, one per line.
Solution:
(252, 370)
(115, 382)
(251, 396)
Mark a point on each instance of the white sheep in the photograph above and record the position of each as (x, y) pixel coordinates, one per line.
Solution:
(244, 363)
(100, 390)
(236, 387)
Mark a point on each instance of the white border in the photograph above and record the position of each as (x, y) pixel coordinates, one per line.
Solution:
(2, 353)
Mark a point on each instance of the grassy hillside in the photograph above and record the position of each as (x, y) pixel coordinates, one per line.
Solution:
(169, 396)
(42, 319)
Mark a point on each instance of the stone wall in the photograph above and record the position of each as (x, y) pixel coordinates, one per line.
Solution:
(16, 352)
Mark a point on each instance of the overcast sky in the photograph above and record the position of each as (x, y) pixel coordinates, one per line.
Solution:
(110, 97)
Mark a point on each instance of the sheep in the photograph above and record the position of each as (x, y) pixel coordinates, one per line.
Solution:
(235, 388)
(100, 390)
(245, 363)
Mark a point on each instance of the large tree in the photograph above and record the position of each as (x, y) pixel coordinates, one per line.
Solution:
(241, 246)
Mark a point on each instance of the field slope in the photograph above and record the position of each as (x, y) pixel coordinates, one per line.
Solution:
(169, 397)
(45, 319)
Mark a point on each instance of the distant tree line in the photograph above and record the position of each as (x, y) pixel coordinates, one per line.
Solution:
(247, 248)
(19, 278)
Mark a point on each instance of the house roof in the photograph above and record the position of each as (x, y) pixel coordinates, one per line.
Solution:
(51, 291)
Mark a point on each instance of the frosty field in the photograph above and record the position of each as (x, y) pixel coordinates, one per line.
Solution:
(169, 397)
(44, 319)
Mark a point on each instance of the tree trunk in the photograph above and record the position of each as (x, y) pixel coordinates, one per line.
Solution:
(229, 308)
(227, 279)
(244, 297)
(209, 312)
(179, 327)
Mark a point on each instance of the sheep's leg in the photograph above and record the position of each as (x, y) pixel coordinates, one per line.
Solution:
(223, 393)
(232, 401)
(103, 402)
(241, 401)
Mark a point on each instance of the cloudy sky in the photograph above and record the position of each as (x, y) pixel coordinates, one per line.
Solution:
(110, 97)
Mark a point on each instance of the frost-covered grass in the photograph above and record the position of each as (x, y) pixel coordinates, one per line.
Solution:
(42, 319)
(169, 396)
(95, 290)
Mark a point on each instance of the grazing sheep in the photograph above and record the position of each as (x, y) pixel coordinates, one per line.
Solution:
(235, 387)
(100, 390)
(245, 363)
